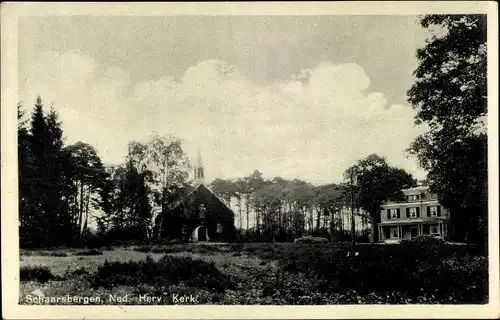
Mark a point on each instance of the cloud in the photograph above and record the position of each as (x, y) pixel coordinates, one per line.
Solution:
(312, 126)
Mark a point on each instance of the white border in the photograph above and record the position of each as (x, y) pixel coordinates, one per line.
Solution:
(10, 244)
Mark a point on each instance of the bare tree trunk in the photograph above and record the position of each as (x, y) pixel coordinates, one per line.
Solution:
(373, 229)
(239, 209)
(85, 224)
(331, 225)
(318, 219)
(80, 214)
(353, 221)
(248, 211)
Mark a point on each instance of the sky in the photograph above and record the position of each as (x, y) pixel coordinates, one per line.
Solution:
(292, 96)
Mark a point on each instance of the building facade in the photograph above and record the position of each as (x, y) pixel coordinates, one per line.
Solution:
(198, 216)
(420, 214)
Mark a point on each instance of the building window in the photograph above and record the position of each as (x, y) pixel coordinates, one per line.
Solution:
(394, 232)
(434, 211)
(413, 212)
(415, 197)
(394, 213)
(435, 229)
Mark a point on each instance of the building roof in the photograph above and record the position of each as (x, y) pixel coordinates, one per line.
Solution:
(412, 221)
(205, 189)
(415, 190)
(409, 203)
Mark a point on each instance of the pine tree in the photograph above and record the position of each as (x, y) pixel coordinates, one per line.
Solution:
(37, 225)
(25, 172)
(57, 203)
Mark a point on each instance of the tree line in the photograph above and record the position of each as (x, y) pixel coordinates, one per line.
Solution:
(63, 187)
(286, 209)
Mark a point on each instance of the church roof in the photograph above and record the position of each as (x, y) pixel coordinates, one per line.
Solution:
(201, 187)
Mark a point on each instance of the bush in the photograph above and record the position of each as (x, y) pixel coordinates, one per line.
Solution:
(423, 240)
(464, 279)
(144, 249)
(91, 252)
(310, 239)
(423, 267)
(51, 253)
(36, 273)
(169, 249)
(168, 270)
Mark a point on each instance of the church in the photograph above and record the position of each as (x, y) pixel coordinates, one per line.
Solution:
(200, 215)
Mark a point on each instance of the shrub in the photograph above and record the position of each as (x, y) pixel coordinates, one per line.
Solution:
(35, 273)
(52, 253)
(310, 239)
(169, 249)
(144, 249)
(422, 267)
(464, 279)
(71, 274)
(423, 240)
(168, 270)
(91, 252)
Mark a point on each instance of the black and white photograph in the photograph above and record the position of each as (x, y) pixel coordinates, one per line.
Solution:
(243, 157)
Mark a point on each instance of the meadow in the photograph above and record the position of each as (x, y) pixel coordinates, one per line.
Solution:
(417, 272)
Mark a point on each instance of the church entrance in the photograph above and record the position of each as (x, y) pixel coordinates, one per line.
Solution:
(200, 234)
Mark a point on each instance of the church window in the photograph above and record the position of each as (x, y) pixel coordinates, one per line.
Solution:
(203, 211)
(219, 228)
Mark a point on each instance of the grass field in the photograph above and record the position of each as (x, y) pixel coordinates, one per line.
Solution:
(252, 274)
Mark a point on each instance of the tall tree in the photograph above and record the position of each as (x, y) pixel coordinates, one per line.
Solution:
(88, 177)
(329, 201)
(169, 165)
(450, 96)
(254, 182)
(43, 183)
(38, 177)
(27, 207)
(225, 189)
(131, 217)
(373, 183)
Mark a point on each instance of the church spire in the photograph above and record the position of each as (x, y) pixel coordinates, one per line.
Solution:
(199, 174)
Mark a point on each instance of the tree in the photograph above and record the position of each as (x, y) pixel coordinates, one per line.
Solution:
(169, 166)
(450, 96)
(43, 180)
(225, 189)
(27, 207)
(87, 177)
(57, 197)
(329, 201)
(239, 186)
(373, 183)
(253, 183)
(131, 217)
(43, 202)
